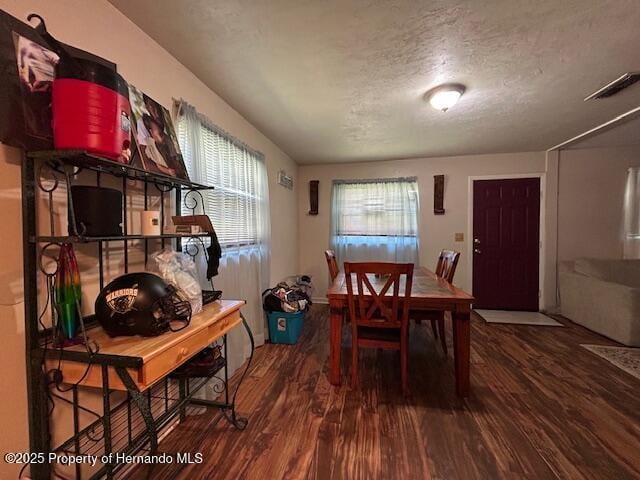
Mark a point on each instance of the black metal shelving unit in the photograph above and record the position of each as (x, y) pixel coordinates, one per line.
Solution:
(131, 425)
(83, 160)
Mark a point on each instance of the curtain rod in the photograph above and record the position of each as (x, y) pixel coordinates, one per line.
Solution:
(376, 180)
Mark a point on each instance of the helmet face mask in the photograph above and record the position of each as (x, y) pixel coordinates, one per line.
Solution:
(140, 304)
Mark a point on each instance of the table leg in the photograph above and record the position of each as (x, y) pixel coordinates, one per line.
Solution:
(462, 350)
(335, 340)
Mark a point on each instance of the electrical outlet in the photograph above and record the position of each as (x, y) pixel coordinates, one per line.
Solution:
(459, 237)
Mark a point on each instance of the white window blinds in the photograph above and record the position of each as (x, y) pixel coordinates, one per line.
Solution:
(235, 173)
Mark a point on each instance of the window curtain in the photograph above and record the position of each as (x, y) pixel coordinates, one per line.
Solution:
(375, 220)
(631, 239)
(241, 199)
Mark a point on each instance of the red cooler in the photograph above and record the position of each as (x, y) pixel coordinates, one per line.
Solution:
(91, 109)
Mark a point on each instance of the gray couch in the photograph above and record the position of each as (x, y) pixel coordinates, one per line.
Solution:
(604, 296)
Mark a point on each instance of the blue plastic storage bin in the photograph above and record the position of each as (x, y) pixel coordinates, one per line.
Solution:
(285, 327)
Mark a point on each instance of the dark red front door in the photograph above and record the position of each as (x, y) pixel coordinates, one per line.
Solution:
(506, 243)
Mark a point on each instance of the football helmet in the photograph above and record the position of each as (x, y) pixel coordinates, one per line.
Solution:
(141, 304)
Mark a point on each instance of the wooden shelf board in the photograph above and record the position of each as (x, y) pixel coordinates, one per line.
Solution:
(148, 347)
(158, 355)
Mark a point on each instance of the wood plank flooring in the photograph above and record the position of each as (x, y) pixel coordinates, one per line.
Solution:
(541, 408)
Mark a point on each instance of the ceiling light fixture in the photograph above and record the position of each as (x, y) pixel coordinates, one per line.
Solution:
(445, 96)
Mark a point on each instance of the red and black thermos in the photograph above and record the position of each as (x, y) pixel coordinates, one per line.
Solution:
(90, 105)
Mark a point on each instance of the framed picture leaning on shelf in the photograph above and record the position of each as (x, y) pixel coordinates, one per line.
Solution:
(155, 137)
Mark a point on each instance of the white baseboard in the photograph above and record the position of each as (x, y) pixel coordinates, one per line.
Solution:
(320, 300)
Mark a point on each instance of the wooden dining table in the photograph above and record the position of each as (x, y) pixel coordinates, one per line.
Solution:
(428, 292)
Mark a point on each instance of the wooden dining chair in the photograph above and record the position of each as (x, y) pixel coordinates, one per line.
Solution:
(379, 316)
(332, 263)
(445, 268)
(447, 263)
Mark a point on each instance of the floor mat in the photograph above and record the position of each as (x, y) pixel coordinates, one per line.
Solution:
(625, 358)
(518, 318)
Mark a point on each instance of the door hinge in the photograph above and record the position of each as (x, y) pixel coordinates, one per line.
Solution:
(539, 294)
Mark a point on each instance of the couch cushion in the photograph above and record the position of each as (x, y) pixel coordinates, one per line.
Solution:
(625, 272)
(608, 308)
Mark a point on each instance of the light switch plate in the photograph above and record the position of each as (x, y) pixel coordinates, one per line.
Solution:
(459, 237)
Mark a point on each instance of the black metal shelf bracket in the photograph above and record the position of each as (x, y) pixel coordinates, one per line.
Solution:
(114, 238)
(87, 161)
(229, 405)
(142, 405)
(192, 199)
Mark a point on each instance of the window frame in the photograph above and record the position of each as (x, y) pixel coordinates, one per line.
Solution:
(207, 128)
(415, 210)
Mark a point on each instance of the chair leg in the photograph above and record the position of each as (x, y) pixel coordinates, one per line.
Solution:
(404, 360)
(443, 336)
(354, 363)
(433, 327)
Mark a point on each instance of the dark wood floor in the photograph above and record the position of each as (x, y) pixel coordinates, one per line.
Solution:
(541, 407)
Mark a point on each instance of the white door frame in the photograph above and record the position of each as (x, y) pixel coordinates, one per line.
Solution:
(541, 256)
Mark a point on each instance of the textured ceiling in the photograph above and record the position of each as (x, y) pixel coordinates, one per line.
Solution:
(334, 81)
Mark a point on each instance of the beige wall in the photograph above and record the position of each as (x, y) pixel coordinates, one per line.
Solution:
(98, 27)
(13, 415)
(436, 231)
(591, 195)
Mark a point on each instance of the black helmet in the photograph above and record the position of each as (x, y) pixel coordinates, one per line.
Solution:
(140, 304)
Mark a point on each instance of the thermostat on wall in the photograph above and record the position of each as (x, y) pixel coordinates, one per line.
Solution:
(285, 180)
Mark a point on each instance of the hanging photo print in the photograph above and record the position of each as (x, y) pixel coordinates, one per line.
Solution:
(36, 71)
(155, 136)
(27, 71)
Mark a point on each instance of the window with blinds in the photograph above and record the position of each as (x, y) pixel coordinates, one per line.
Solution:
(376, 208)
(234, 172)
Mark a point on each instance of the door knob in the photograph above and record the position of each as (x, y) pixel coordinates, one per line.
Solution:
(476, 241)
(476, 250)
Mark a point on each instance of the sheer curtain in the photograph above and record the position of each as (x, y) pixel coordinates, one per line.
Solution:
(375, 220)
(631, 247)
(239, 211)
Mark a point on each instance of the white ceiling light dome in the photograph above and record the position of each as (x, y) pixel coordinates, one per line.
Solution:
(446, 96)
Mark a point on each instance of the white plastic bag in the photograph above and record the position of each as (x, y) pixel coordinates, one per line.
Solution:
(179, 270)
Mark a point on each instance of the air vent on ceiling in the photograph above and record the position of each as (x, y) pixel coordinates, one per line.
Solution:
(616, 86)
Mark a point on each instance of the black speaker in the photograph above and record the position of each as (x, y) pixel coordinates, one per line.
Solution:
(98, 211)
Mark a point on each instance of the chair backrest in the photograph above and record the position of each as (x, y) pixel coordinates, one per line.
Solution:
(371, 306)
(447, 263)
(332, 263)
